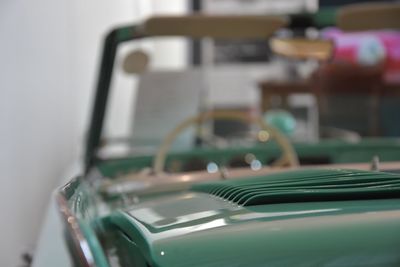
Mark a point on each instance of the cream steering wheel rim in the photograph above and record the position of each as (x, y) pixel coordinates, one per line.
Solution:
(288, 158)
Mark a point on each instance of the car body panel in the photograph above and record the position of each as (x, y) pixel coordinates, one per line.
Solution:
(198, 229)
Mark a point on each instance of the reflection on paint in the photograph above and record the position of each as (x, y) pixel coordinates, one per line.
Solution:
(258, 215)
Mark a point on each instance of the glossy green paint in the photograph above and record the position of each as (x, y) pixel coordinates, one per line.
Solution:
(305, 185)
(198, 229)
(337, 151)
(355, 233)
(94, 245)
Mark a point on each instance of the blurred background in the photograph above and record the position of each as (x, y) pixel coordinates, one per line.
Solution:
(50, 54)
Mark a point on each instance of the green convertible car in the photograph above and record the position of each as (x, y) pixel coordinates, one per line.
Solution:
(255, 200)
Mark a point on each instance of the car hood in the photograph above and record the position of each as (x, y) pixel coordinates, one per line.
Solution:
(197, 228)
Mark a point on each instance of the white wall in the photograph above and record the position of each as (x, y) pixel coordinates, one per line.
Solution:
(49, 52)
(48, 55)
(37, 114)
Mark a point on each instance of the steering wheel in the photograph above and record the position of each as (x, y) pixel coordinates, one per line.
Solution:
(288, 158)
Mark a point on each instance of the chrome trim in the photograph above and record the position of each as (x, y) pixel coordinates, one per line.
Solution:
(72, 226)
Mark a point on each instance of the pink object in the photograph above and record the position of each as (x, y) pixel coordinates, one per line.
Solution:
(368, 48)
